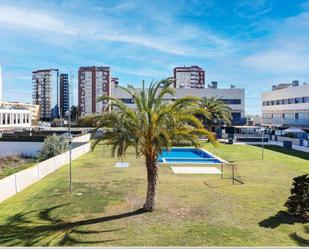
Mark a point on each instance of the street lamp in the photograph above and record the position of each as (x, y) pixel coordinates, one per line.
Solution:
(262, 130)
(70, 138)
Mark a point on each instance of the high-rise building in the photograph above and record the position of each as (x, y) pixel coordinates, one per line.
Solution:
(93, 82)
(189, 77)
(1, 87)
(45, 92)
(64, 94)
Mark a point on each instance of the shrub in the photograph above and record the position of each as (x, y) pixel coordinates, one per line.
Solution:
(52, 146)
(88, 121)
(298, 202)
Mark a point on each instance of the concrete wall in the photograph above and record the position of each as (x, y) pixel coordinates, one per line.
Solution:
(83, 138)
(15, 183)
(19, 148)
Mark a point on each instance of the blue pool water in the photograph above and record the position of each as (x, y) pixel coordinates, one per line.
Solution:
(187, 156)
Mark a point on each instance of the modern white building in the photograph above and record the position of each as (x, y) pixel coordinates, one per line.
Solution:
(93, 82)
(234, 97)
(45, 92)
(12, 117)
(286, 105)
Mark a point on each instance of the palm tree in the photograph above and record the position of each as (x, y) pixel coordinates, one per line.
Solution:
(153, 126)
(218, 112)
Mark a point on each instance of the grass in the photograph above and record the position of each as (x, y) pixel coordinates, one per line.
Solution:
(13, 164)
(192, 210)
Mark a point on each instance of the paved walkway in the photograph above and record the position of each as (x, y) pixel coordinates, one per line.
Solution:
(196, 170)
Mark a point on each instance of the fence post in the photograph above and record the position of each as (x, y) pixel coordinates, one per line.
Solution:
(233, 173)
(221, 170)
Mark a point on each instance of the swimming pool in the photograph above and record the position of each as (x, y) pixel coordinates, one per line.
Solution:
(188, 156)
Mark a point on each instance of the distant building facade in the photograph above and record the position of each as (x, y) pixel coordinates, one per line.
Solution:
(189, 77)
(286, 105)
(234, 98)
(64, 94)
(45, 92)
(13, 117)
(34, 109)
(115, 82)
(93, 82)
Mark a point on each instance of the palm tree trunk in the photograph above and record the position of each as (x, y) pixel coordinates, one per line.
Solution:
(152, 178)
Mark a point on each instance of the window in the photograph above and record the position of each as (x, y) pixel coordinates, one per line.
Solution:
(296, 115)
(291, 101)
(298, 100)
(305, 99)
(232, 101)
(284, 101)
(283, 115)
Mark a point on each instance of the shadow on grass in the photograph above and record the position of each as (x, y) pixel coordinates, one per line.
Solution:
(282, 218)
(39, 227)
(290, 152)
(299, 239)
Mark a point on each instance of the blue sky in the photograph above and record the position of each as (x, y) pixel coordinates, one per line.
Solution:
(250, 43)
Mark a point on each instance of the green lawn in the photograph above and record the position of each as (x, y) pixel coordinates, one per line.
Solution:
(192, 210)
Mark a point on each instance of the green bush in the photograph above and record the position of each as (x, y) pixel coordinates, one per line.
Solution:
(298, 202)
(88, 121)
(52, 146)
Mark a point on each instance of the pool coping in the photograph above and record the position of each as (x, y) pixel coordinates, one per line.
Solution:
(199, 163)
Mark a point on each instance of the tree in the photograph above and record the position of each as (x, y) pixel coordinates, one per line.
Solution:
(153, 126)
(74, 112)
(298, 202)
(52, 146)
(218, 112)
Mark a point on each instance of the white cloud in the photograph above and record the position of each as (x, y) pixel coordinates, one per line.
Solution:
(278, 61)
(168, 37)
(37, 20)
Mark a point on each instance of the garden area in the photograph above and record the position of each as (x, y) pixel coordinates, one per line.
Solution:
(192, 210)
(12, 164)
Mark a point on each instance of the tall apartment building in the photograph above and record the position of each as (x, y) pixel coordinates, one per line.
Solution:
(45, 92)
(93, 82)
(64, 94)
(286, 105)
(189, 77)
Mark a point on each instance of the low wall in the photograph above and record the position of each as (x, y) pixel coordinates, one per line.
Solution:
(15, 183)
(81, 139)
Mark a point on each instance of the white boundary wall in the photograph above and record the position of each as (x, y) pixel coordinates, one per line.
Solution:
(15, 183)
(81, 139)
